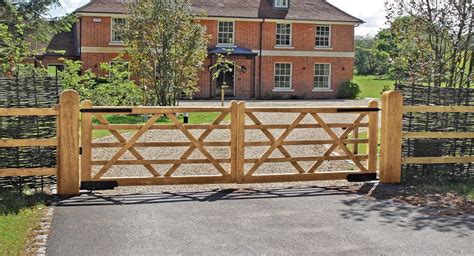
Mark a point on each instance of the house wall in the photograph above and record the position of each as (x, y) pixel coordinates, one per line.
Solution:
(96, 48)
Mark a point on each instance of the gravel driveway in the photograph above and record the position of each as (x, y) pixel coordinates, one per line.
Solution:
(224, 135)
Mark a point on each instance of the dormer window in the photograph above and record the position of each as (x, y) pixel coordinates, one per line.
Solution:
(281, 3)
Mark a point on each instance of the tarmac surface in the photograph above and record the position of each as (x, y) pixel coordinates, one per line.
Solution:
(296, 220)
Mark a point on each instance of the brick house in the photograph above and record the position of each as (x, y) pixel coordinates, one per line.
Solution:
(284, 48)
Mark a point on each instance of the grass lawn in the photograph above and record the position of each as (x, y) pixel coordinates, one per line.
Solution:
(19, 214)
(194, 118)
(371, 86)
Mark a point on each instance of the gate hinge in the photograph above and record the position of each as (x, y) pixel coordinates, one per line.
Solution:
(80, 150)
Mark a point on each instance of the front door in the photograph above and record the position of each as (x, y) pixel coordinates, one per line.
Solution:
(228, 78)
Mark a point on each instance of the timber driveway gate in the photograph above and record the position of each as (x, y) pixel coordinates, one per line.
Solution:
(233, 123)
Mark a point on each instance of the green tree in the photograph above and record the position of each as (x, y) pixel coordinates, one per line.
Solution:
(24, 28)
(435, 40)
(113, 89)
(167, 49)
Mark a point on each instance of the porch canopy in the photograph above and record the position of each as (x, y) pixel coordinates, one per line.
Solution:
(235, 51)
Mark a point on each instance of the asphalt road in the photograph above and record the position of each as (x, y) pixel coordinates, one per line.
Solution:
(290, 221)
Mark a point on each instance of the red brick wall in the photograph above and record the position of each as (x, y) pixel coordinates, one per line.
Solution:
(247, 34)
(303, 76)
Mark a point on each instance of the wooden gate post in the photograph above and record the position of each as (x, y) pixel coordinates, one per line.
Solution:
(373, 136)
(241, 142)
(391, 144)
(68, 173)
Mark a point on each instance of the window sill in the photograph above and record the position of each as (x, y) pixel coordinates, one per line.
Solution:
(324, 48)
(117, 43)
(285, 47)
(323, 90)
(283, 90)
(226, 45)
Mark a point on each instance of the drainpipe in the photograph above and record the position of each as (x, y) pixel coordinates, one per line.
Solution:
(260, 61)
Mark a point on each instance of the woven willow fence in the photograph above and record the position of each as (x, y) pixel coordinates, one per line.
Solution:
(30, 92)
(438, 122)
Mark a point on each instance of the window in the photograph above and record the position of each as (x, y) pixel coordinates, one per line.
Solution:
(323, 36)
(281, 3)
(322, 76)
(283, 34)
(283, 76)
(226, 33)
(117, 29)
(53, 69)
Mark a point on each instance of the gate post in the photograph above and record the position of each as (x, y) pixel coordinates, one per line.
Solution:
(68, 166)
(241, 142)
(86, 140)
(373, 136)
(391, 144)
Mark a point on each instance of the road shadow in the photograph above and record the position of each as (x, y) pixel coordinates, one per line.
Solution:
(378, 203)
(354, 203)
(204, 196)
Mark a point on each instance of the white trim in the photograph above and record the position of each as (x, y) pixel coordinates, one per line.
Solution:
(111, 41)
(280, 89)
(323, 90)
(327, 54)
(282, 5)
(291, 35)
(117, 43)
(102, 49)
(319, 89)
(314, 22)
(233, 34)
(330, 36)
(322, 22)
(101, 14)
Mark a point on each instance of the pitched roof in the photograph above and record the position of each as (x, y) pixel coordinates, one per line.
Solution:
(103, 6)
(62, 44)
(310, 10)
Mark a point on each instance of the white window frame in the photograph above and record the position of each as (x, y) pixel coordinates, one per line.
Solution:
(316, 36)
(291, 36)
(282, 3)
(283, 89)
(329, 88)
(112, 41)
(233, 33)
(119, 61)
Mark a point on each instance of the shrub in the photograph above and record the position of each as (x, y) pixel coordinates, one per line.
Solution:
(349, 90)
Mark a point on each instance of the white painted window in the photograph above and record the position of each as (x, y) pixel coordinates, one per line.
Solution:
(283, 34)
(226, 33)
(322, 76)
(281, 3)
(323, 36)
(118, 24)
(283, 76)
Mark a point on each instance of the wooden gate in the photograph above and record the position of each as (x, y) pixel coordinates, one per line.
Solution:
(237, 166)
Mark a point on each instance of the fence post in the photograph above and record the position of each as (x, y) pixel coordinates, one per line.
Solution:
(373, 136)
(68, 174)
(391, 145)
(86, 140)
(240, 142)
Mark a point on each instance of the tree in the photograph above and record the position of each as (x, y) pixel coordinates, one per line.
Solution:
(24, 28)
(370, 60)
(167, 49)
(114, 89)
(437, 43)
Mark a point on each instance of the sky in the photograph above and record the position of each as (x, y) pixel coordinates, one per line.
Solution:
(371, 11)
